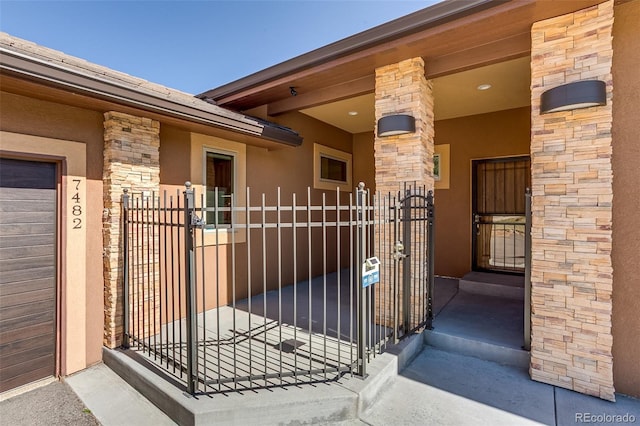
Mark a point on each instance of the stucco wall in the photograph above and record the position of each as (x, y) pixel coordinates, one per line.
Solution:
(175, 151)
(364, 160)
(22, 115)
(626, 198)
(290, 168)
(279, 165)
(497, 134)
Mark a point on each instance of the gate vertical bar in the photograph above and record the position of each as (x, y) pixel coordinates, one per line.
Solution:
(527, 270)
(165, 284)
(396, 268)
(431, 256)
(125, 269)
(310, 277)
(351, 272)
(324, 282)
(190, 299)
(406, 263)
(362, 312)
(339, 271)
(233, 291)
(294, 236)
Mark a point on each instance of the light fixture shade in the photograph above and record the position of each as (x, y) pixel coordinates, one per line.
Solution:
(579, 94)
(397, 124)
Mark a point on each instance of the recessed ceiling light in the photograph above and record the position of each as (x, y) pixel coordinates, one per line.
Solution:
(484, 87)
(353, 112)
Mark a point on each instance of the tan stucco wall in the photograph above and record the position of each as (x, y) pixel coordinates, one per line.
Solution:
(290, 168)
(175, 150)
(626, 198)
(280, 164)
(497, 134)
(66, 131)
(364, 160)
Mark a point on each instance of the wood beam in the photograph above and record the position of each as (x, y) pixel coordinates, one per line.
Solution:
(335, 93)
(505, 49)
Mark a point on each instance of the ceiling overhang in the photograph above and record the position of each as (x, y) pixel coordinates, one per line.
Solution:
(451, 36)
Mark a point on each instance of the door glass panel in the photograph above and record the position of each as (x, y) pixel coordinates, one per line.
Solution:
(499, 213)
(500, 243)
(219, 176)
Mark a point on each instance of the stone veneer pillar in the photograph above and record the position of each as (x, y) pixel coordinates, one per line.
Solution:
(132, 161)
(402, 88)
(572, 207)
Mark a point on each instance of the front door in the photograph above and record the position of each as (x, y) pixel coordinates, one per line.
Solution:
(498, 214)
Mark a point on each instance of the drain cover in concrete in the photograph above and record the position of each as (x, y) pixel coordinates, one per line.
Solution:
(289, 345)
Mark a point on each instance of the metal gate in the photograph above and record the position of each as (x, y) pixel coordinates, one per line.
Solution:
(413, 253)
(276, 294)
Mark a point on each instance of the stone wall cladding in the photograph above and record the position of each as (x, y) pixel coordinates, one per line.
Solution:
(402, 88)
(572, 207)
(131, 161)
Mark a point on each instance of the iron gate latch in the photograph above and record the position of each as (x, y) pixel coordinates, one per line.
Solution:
(398, 251)
(196, 221)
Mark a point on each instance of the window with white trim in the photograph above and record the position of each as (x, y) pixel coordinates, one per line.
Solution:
(331, 168)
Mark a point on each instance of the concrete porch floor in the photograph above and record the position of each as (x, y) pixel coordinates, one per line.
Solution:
(476, 324)
(280, 338)
(480, 321)
(319, 319)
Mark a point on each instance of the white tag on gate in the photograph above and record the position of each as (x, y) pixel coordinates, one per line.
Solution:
(370, 271)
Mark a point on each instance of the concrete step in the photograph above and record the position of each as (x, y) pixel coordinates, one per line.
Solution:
(272, 406)
(112, 401)
(337, 402)
(487, 351)
(491, 284)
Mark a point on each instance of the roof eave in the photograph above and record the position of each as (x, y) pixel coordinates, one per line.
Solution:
(51, 74)
(418, 21)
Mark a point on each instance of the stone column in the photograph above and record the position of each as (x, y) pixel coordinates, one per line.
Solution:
(131, 161)
(572, 207)
(402, 88)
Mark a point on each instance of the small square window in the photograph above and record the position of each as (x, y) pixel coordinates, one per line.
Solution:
(219, 175)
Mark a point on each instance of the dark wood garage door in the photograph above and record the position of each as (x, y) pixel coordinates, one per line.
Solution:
(27, 272)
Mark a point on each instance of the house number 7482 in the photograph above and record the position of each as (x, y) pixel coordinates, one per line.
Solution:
(76, 209)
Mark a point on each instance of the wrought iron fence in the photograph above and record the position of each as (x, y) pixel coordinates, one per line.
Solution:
(273, 296)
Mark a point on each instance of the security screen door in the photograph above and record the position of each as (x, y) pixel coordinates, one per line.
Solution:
(498, 216)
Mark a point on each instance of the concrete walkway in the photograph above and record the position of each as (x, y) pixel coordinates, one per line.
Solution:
(112, 401)
(443, 388)
(436, 388)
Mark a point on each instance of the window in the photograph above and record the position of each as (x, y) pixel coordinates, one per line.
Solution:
(219, 174)
(223, 163)
(331, 168)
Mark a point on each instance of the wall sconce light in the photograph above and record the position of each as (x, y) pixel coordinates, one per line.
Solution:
(576, 95)
(398, 124)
